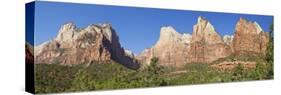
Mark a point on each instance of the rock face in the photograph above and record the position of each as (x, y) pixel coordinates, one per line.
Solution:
(93, 44)
(249, 38)
(29, 54)
(171, 48)
(206, 44)
(100, 44)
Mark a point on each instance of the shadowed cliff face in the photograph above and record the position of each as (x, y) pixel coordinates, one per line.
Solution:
(29, 54)
(205, 45)
(93, 44)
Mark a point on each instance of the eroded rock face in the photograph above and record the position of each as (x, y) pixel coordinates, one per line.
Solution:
(145, 56)
(170, 49)
(249, 38)
(206, 44)
(93, 44)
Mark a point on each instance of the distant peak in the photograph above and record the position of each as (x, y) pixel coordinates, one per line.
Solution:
(69, 25)
(168, 29)
(204, 26)
(104, 25)
(243, 21)
(201, 19)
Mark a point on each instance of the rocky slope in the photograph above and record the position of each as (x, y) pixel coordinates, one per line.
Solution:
(93, 44)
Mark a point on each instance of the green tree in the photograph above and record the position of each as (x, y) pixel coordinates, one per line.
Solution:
(260, 70)
(152, 74)
(238, 72)
(82, 81)
(154, 67)
(270, 53)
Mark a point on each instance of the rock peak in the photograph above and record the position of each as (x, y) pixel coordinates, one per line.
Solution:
(249, 38)
(254, 26)
(66, 32)
(104, 24)
(170, 44)
(168, 30)
(205, 31)
(201, 19)
(167, 34)
(242, 19)
(68, 26)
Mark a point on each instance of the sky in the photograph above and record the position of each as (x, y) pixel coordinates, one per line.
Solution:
(137, 28)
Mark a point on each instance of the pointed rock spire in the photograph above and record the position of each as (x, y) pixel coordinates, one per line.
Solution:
(66, 32)
(204, 30)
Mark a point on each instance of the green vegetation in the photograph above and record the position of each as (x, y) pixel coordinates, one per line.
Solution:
(51, 78)
(270, 52)
(255, 58)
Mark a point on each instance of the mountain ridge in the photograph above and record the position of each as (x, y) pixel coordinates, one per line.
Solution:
(100, 43)
(90, 45)
(205, 44)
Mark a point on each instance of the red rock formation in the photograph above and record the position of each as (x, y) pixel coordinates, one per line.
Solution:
(94, 44)
(170, 49)
(249, 38)
(206, 44)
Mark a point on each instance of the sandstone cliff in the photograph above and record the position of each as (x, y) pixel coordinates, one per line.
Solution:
(205, 45)
(171, 48)
(249, 38)
(100, 44)
(93, 44)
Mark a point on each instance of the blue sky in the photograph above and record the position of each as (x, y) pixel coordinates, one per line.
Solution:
(137, 28)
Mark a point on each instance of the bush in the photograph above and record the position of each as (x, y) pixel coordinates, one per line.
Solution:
(238, 72)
